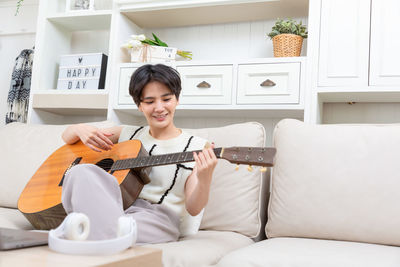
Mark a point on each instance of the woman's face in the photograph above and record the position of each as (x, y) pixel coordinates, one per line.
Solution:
(158, 105)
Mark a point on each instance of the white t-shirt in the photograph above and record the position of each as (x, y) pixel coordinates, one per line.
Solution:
(163, 183)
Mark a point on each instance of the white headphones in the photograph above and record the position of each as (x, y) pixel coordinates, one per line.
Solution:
(70, 236)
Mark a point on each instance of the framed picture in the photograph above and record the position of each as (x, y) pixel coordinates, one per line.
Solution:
(79, 5)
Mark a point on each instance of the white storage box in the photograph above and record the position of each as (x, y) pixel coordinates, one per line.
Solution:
(82, 71)
(153, 54)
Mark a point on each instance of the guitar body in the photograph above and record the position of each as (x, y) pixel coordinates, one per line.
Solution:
(40, 201)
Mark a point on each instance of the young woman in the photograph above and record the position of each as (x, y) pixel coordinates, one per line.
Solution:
(167, 205)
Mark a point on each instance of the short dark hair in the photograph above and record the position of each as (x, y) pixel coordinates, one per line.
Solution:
(149, 73)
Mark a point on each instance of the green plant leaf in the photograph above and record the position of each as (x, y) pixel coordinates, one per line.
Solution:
(150, 42)
(156, 38)
(19, 3)
(160, 43)
(185, 54)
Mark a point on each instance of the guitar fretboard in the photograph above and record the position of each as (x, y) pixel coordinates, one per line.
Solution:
(157, 160)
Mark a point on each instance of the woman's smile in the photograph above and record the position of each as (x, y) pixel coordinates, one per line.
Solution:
(160, 117)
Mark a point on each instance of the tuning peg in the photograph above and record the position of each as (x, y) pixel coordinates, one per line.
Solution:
(263, 169)
(237, 167)
(249, 168)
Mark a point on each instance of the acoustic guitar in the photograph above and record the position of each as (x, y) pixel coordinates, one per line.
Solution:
(128, 162)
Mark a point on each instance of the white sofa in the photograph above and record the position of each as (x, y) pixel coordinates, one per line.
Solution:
(334, 196)
(335, 199)
(234, 217)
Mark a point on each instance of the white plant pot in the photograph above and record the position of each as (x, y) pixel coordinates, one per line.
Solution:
(153, 54)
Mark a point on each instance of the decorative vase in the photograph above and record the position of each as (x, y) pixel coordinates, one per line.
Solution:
(287, 45)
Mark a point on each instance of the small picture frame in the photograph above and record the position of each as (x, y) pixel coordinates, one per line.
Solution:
(79, 5)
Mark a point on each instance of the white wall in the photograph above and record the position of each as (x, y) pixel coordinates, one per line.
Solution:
(16, 33)
(248, 39)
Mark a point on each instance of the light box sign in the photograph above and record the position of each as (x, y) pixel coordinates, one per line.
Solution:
(82, 71)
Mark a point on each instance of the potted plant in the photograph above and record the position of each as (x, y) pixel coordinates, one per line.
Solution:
(287, 37)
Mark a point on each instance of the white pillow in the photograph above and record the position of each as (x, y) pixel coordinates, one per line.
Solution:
(336, 182)
(236, 201)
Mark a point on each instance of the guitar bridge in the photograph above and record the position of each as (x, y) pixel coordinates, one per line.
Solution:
(75, 162)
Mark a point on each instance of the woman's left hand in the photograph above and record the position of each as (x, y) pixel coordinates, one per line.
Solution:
(205, 163)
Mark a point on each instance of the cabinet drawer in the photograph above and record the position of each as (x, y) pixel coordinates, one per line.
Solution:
(123, 91)
(274, 83)
(206, 84)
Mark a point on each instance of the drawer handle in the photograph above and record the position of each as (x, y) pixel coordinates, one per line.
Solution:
(268, 83)
(204, 84)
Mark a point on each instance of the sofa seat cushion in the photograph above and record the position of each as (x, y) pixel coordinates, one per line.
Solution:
(203, 249)
(299, 252)
(13, 218)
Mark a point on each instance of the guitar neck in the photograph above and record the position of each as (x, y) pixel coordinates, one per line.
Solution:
(158, 160)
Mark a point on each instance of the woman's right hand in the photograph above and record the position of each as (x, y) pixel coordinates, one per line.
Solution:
(93, 137)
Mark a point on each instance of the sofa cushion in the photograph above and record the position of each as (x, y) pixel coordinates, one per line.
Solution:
(203, 249)
(25, 148)
(236, 199)
(312, 253)
(12, 218)
(336, 182)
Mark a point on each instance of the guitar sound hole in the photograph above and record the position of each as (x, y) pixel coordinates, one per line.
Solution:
(105, 164)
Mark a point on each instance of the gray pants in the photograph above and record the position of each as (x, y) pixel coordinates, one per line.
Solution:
(90, 190)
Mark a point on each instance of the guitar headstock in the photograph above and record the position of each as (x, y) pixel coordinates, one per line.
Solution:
(258, 156)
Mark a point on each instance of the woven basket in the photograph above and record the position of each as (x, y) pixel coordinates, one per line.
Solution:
(287, 45)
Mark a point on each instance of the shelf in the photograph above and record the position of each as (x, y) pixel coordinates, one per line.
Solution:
(254, 111)
(75, 111)
(160, 14)
(71, 102)
(16, 33)
(348, 96)
(83, 20)
(261, 60)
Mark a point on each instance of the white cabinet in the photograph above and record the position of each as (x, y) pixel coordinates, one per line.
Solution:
(353, 54)
(344, 43)
(201, 85)
(277, 83)
(251, 86)
(385, 43)
(359, 44)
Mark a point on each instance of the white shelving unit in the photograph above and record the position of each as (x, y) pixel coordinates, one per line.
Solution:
(353, 57)
(60, 33)
(228, 33)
